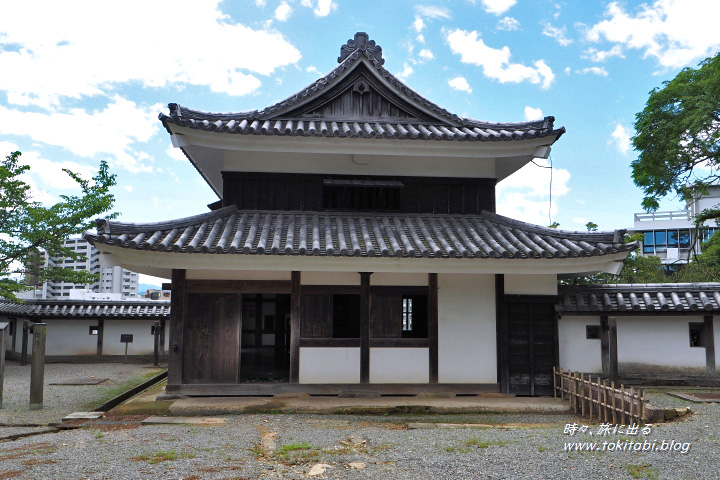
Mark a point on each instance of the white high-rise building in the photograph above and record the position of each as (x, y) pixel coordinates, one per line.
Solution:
(113, 280)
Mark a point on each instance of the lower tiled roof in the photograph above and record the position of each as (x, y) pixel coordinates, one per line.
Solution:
(332, 234)
(158, 310)
(652, 297)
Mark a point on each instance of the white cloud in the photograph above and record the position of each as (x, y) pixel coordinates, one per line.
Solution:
(418, 24)
(176, 154)
(260, 3)
(110, 132)
(459, 83)
(498, 7)
(313, 69)
(426, 54)
(128, 188)
(568, 70)
(406, 72)
(533, 113)
(602, 55)
(420, 38)
(621, 138)
(524, 195)
(496, 62)
(674, 32)
(432, 11)
(35, 193)
(283, 12)
(559, 34)
(323, 8)
(594, 70)
(508, 24)
(89, 54)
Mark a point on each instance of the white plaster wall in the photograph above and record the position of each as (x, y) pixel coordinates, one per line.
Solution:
(142, 340)
(8, 337)
(531, 284)
(329, 365)
(658, 345)
(399, 365)
(467, 351)
(70, 337)
(330, 278)
(401, 279)
(576, 352)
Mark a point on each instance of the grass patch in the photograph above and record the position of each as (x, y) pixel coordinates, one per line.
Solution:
(542, 449)
(113, 392)
(296, 453)
(473, 444)
(163, 456)
(641, 471)
(292, 447)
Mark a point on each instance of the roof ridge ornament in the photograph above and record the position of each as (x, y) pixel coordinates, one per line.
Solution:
(363, 43)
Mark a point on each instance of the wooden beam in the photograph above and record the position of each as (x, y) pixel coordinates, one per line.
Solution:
(330, 342)
(100, 336)
(295, 305)
(612, 340)
(503, 371)
(24, 346)
(178, 301)
(709, 345)
(37, 367)
(365, 327)
(238, 286)
(604, 346)
(432, 325)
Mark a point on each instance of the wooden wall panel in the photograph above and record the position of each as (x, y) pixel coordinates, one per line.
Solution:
(316, 316)
(386, 316)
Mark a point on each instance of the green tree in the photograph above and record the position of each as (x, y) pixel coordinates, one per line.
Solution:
(27, 227)
(591, 227)
(677, 132)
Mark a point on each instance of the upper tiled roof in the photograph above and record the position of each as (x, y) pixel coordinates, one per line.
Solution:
(270, 121)
(334, 234)
(158, 310)
(652, 297)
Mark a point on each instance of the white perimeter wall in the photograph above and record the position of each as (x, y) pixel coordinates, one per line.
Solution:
(70, 337)
(329, 365)
(576, 352)
(142, 340)
(399, 365)
(658, 345)
(467, 341)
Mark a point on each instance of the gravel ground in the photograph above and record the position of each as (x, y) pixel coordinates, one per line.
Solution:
(360, 447)
(59, 400)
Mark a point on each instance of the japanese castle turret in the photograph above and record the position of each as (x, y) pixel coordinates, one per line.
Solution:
(355, 246)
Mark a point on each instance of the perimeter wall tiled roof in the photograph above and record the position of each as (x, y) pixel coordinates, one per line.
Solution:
(333, 234)
(657, 297)
(158, 310)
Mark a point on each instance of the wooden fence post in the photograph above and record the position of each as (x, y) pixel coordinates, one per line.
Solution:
(156, 344)
(612, 393)
(3, 339)
(37, 367)
(554, 382)
(24, 346)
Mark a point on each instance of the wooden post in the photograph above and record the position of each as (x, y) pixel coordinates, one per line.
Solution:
(162, 337)
(433, 326)
(15, 323)
(582, 394)
(24, 347)
(632, 405)
(178, 301)
(605, 402)
(156, 344)
(604, 346)
(365, 327)
(614, 411)
(554, 382)
(3, 339)
(709, 345)
(643, 412)
(622, 403)
(502, 334)
(612, 342)
(37, 367)
(100, 336)
(295, 304)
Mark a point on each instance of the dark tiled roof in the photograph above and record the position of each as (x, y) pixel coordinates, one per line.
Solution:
(269, 121)
(233, 231)
(158, 310)
(652, 297)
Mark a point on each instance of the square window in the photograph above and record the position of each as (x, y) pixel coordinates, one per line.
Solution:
(697, 334)
(94, 330)
(592, 332)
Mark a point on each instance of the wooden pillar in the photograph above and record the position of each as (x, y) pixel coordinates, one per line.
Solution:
(503, 371)
(612, 340)
(178, 301)
(433, 326)
(156, 344)
(15, 334)
(3, 339)
(365, 327)
(709, 345)
(162, 337)
(604, 346)
(37, 367)
(296, 303)
(100, 337)
(24, 346)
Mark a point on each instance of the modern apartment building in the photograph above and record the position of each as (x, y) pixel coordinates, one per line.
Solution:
(113, 280)
(672, 236)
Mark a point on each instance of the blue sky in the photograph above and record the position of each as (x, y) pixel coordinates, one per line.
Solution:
(84, 81)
